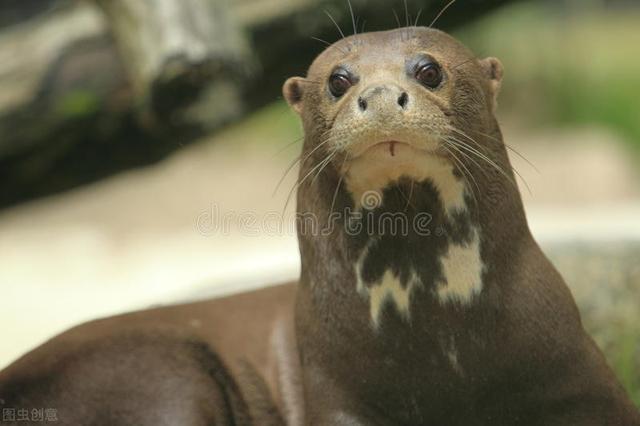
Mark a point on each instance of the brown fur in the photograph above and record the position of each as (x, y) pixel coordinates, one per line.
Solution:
(522, 356)
(202, 363)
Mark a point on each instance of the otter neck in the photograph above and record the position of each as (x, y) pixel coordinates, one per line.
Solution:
(411, 240)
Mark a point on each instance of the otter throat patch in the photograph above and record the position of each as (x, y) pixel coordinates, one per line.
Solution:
(389, 289)
(462, 270)
(364, 178)
(455, 267)
(461, 281)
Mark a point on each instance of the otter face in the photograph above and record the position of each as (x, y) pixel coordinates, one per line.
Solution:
(388, 105)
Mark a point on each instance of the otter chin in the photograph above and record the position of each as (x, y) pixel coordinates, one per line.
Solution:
(381, 165)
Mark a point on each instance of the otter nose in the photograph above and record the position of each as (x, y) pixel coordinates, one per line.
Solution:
(384, 98)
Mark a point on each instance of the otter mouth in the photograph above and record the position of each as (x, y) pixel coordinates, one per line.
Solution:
(389, 145)
(392, 149)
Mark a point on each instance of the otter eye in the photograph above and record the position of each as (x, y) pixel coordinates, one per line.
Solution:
(430, 75)
(339, 84)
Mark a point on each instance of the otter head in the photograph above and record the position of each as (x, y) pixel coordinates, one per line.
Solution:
(402, 121)
(378, 107)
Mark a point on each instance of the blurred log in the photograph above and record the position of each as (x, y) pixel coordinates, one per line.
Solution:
(76, 104)
(172, 48)
(167, 56)
(60, 76)
(45, 67)
(17, 11)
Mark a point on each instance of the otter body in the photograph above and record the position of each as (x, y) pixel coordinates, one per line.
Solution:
(423, 298)
(227, 361)
(454, 316)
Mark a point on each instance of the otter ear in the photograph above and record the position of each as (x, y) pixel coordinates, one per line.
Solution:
(494, 71)
(292, 91)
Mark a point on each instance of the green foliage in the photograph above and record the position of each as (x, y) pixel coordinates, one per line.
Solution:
(567, 66)
(625, 360)
(613, 102)
(274, 124)
(278, 118)
(78, 104)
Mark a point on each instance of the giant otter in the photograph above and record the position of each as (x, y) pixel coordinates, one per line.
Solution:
(423, 298)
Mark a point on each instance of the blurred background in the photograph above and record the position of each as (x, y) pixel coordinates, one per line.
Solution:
(141, 146)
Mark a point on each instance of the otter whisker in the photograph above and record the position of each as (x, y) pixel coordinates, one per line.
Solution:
(454, 144)
(328, 44)
(407, 18)
(526, 160)
(463, 63)
(479, 146)
(299, 159)
(287, 146)
(487, 152)
(406, 13)
(469, 171)
(415, 23)
(335, 193)
(321, 40)
(299, 183)
(444, 9)
(335, 23)
(286, 173)
(395, 14)
(410, 196)
(321, 165)
(477, 153)
(457, 162)
(509, 147)
(326, 163)
(320, 145)
(451, 145)
(406, 198)
(471, 148)
(353, 18)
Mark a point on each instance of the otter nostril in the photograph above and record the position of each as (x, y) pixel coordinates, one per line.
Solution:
(403, 100)
(362, 104)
